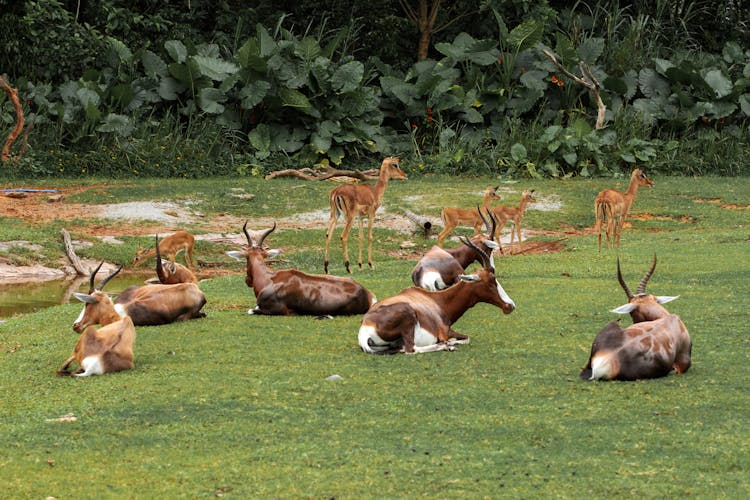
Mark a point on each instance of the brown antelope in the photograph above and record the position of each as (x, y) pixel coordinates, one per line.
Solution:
(513, 214)
(108, 349)
(290, 291)
(169, 247)
(170, 273)
(151, 305)
(453, 217)
(360, 200)
(612, 206)
(440, 268)
(656, 344)
(417, 320)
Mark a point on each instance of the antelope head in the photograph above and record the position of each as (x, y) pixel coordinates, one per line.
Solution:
(254, 249)
(98, 307)
(493, 293)
(642, 306)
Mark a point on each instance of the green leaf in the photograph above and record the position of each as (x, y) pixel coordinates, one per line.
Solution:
(210, 99)
(120, 125)
(534, 79)
(214, 68)
(565, 50)
(745, 104)
(120, 49)
(663, 65)
(615, 85)
(526, 35)
(87, 97)
(347, 77)
(471, 115)
(153, 65)
(590, 50)
(253, 94)
(169, 88)
(176, 50)
(260, 140)
(266, 42)
(652, 85)
(518, 152)
(308, 49)
(719, 83)
(294, 99)
(550, 133)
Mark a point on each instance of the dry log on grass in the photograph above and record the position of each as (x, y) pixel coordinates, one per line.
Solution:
(72, 254)
(424, 224)
(324, 172)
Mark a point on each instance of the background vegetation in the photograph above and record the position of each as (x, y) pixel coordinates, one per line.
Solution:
(189, 89)
(233, 405)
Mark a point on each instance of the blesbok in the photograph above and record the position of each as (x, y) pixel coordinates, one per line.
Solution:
(440, 268)
(170, 273)
(453, 217)
(656, 344)
(290, 291)
(360, 200)
(103, 350)
(169, 247)
(417, 320)
(612, 206)
(503, 214)
(150, 305)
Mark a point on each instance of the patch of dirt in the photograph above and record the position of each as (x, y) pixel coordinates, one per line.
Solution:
(682, 219)
(718, 201)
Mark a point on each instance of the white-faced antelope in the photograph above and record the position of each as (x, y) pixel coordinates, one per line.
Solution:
(150, 305)
(656, 344)
(417, 320)
(290, 291)
(103, 350)
(359, 200)
(440, 268)
(453, 217)
(169, 272)
(169, 247)
(611, 207)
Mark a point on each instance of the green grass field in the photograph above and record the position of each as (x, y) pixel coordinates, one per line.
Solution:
(234, 405)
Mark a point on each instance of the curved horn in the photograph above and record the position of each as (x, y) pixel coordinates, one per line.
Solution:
(93, 276)
(247, 235)
(105, 280)
(484, 259)
(159, 267)
(622, 281)
(646, 277)
(265, 234)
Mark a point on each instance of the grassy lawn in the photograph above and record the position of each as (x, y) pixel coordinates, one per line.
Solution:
(234, 405)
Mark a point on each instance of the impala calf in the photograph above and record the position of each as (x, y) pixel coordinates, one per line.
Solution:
(513, 214)
(440, 268)
(656, 344)
(611, 207)
(290, 291)
(453, 217)
(171, 273)
(169, 247)
(417, 320)
(103, 350)
(359, 200)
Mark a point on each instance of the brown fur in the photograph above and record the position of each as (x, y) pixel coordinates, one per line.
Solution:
(611, 207)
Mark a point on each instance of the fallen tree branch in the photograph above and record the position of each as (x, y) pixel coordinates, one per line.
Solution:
(13, 96)
(586, 79)
(322, 173)
(423, 223)
(72, 257)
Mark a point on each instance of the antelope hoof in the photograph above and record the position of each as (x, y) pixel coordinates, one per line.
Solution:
(348, 269)
(325, 266)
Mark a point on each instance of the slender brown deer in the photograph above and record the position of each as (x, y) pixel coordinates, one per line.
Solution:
(169, 247)
(655, 345)
(171, 273)
(503, 214)
(108, 348)
(612, 206)
(360, 200)
(453, 217)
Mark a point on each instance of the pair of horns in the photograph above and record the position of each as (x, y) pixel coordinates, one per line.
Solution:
(484, 259)
(641, 286)
(263, 236)
(103, 282)
(490, 228)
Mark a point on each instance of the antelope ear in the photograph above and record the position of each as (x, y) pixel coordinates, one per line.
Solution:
(274, 253)
(626, 309)
(83, 297)
(236, 255)
(663, 299)
(490, 243)
(468, 277)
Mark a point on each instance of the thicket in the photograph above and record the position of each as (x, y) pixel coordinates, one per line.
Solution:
(121, 89)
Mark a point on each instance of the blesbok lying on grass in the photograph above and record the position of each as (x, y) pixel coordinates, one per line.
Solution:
(150, 305)
(290, 291)
(103, 350)
(453, 217)
(170, 273)
(440, 268)
(417, 320)
(656, 344)
(513, 214)
(169, 247)
(611, 207)
(359, 200)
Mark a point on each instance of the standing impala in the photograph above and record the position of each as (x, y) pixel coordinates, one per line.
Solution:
(656, 344)
(514, 214)
(108, 349)
(453, 217)
(359, 200)
(290, 291)
(180, 241)
(417, 320)
(171, 273)
(612, 206)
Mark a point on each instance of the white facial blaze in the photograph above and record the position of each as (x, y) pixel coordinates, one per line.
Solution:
(506, 298)
(80, 316)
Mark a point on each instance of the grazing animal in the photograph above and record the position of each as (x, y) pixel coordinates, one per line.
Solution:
(169, 247)
(440, 268)
(360, 200)
(417, 320)
(290, 291)
(611, 207)
(103, 350)
(656, 344)
(514, 214)
(453, 217)
(171, 273)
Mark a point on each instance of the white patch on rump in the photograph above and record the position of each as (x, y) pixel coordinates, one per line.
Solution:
(432, 281)
(424, 337)
(92, 365)
(601, 366)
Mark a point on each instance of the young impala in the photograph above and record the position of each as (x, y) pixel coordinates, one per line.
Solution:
(612, 206)
(359, 200)
(417, 320)
(513, 214)
(171, 273)
(656, 344)
(180, 241)
(107, 349)
(453, 217)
